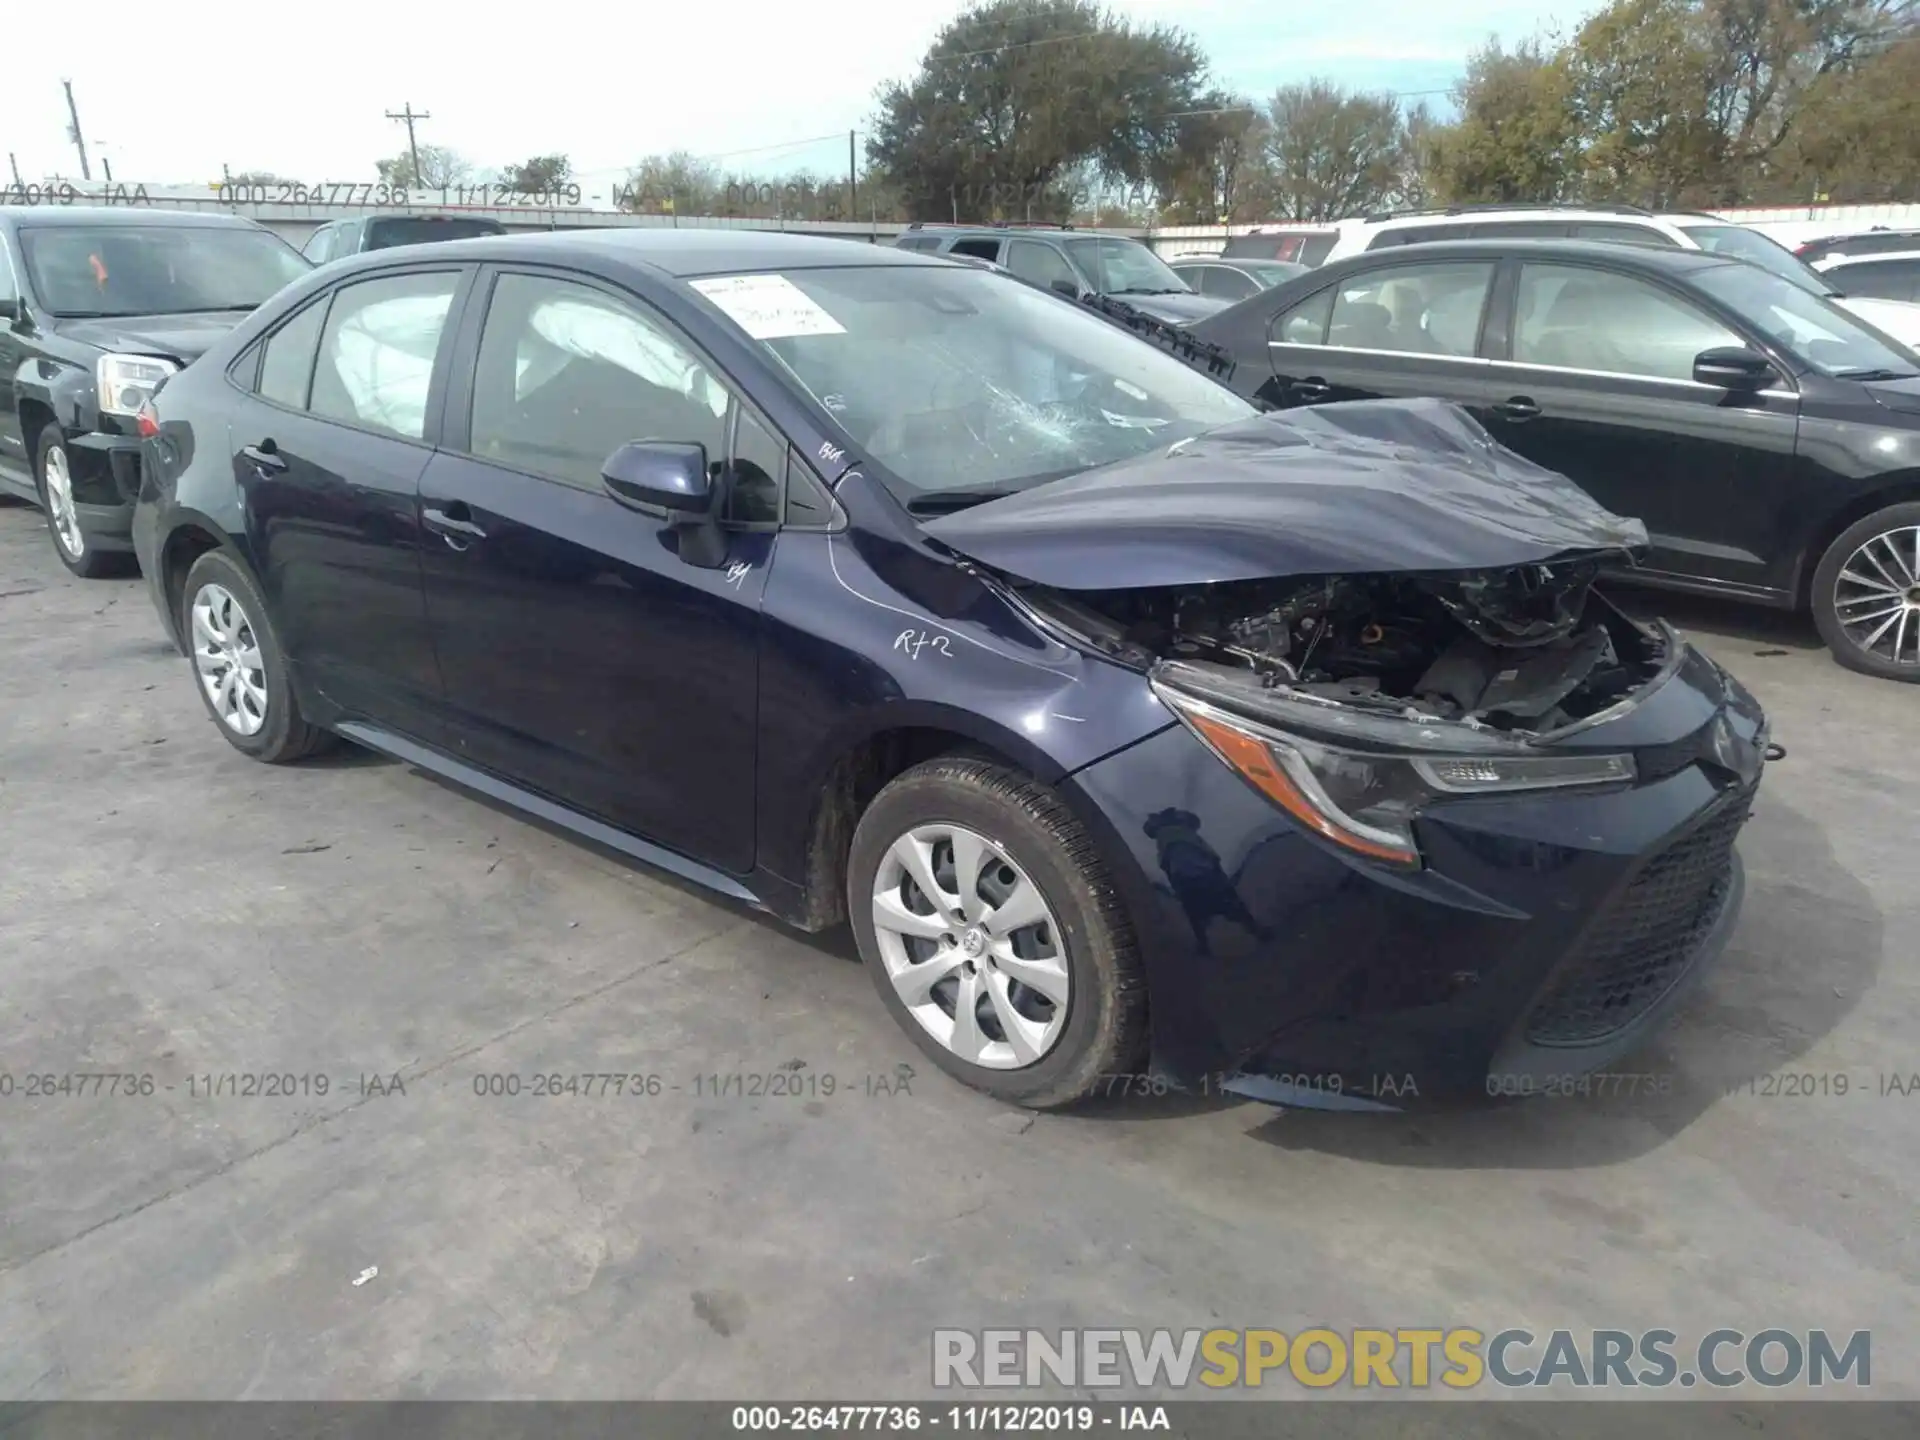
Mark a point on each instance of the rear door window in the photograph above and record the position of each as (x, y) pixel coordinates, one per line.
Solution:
(1414, 309)
(377, 352)
(1306, 323)
(1226, 282)
(979, 249)
(1041, 263)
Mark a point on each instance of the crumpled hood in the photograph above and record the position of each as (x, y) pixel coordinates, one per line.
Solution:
(1175, 309)
(1371, 486)
(181, 337)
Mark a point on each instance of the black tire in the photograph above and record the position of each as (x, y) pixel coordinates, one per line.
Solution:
(1104, 1033)
(89, 563)
(285, 735)
(1826, 597)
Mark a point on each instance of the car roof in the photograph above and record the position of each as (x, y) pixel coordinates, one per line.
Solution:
(681, 253)
(1866, 257)
(103, 216)
(1666, 259)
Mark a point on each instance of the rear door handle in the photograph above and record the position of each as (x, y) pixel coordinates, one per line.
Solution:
(264, 456)
(1518, 408)
(1311, 388)
(454, 524)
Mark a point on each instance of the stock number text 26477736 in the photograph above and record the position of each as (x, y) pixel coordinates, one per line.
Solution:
(362, 193)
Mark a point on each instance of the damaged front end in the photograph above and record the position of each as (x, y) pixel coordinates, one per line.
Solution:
(1353, 701)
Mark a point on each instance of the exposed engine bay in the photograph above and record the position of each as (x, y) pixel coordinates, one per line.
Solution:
(1525, 649)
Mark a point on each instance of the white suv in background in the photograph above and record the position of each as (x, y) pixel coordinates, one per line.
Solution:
(1315, 245)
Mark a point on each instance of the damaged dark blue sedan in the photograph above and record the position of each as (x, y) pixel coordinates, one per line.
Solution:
(1133, 732)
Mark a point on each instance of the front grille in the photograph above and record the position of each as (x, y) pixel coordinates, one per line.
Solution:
(1640, 946)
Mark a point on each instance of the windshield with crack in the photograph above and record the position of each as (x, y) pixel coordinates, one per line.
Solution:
(959, 379)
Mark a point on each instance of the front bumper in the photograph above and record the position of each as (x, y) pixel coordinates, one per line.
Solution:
(106, 484)
(1547, 935)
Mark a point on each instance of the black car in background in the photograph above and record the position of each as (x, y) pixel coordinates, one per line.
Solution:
(97, 308)
(360, 233)
(1126, 726)
(1076, 263)
(1232, 280)
(1768, 438)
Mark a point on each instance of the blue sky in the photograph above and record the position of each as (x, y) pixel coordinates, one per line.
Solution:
(758, 87)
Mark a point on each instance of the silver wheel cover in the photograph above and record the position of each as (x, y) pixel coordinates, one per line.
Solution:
(66, 520)
(226, 655)
(971, 946)
(1877, 596)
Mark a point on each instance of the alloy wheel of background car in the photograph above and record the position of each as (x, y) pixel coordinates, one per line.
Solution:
(55, 470)
(226, 655)
(992, 929)
(971, 946)
(1879, 595)
(60, 511)
(1867, 594)
(238, 666)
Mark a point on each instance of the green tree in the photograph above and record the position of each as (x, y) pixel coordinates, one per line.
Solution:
(1329, 153)
(1516, 139)
(1013, 94)
(541, 174)
(673, 184)
(439, 168)
(1857, 140)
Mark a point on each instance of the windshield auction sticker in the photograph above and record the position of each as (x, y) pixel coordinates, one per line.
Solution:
(769, 307)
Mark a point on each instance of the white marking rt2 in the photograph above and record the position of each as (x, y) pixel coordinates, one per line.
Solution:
(912, 642)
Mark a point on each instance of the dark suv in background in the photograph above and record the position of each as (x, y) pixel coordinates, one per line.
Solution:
(338, 238)
(1075, 263)
(97, 308)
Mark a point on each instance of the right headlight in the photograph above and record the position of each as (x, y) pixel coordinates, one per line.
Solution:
(1363, 800)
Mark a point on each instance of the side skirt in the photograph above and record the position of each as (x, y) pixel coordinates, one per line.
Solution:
(433, 762)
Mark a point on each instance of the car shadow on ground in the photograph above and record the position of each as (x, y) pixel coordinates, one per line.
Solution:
(1807, 949)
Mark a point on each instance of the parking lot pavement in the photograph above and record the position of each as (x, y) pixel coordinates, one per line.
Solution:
(169, 909)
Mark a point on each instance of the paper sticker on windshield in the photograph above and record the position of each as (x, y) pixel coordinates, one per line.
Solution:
(769, 307)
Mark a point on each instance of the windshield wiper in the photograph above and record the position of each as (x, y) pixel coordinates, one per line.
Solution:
(1875, 374)
(1143, 290)
(945, 502)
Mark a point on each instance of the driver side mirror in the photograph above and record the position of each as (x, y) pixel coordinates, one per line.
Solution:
(9, 309)
(1732, 367)
(1067, 288)
(671, 481)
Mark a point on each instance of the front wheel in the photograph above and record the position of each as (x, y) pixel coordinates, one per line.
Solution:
(1866, 594)
(990, 928)
(55, 470)
(238, 665)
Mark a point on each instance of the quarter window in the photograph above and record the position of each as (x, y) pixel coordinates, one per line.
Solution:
(286, 370)
(567, 375)
(978, 249)
(376, 354)
(1415, 309)
(1581, 319)
(1306, 323)
(320, 245)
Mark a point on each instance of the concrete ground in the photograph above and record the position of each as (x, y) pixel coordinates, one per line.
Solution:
(170, 909)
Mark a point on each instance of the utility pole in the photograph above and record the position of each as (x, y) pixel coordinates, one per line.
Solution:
(73, 111)
(408, 114)
(853, 195)
(14, 165)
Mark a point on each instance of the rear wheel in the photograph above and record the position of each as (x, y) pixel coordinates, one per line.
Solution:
(238, 665)
(993, 933)
(1866, 594)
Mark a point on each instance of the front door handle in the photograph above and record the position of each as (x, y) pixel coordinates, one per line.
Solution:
(1517, 409)
(1311, 388)
(264, 457)
(454, 524)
